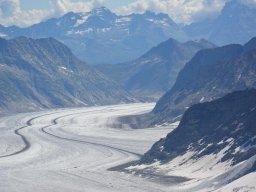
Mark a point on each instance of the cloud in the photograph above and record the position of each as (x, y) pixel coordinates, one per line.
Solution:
(8, 7)
(182, 11)
(61, 7)
(12, 14)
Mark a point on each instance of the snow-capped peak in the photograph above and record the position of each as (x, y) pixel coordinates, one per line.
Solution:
(102, 11)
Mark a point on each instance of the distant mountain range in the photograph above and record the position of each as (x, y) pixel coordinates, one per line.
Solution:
(154, 73)
(210, 74)
(44, 73)
(101, 37)
(235, 24)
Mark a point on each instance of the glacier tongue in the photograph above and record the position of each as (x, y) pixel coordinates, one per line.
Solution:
(73, 149)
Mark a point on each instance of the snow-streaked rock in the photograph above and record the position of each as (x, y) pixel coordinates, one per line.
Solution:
(214, 145)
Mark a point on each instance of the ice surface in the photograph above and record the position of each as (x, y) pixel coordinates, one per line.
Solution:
(72, 150)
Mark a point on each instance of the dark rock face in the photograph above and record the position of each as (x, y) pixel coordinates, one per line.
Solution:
(209, 127)
(102, 37)
(155, 72)
(44, 73)
(209, 75)
(235, 24)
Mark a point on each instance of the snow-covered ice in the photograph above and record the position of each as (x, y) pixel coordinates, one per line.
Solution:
(72, 149)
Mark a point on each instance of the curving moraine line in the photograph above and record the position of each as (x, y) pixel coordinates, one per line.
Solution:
(25, 141)
(54, 122)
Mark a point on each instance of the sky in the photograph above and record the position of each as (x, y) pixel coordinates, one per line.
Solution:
(39, 4)
(28, 12)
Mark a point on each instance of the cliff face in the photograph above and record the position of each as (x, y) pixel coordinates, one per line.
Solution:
(209, 75)
(208, 128)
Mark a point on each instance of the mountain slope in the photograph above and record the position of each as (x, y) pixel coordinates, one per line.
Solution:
(155, 72)
(214, 144)
(44, 73)
(235, 24)
(100, 36)
(209, 75)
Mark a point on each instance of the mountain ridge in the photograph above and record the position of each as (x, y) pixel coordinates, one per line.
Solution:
(214, 146)
(102, 32)
(209, 75)
(233, 25)
(152, 74)
(224, 111)
(43, 73)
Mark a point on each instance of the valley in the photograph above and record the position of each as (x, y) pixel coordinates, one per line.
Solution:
(80, 149)
(71, 150)
(143, 96)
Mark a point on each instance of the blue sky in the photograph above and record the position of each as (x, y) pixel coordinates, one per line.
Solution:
(44, 4)
(31, 4)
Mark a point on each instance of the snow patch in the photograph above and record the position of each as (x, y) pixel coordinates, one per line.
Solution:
(123, 19)
(82, 21)
(3, 35)
(159, 22)
(80, 32)
(65, 70)
(239, 77)
(103, 30)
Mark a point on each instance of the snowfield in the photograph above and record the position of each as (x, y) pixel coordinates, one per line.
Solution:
(72, 149)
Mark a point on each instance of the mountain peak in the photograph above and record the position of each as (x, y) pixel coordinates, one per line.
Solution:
(70, 14)
(250, 45)
(101, 11)
(149, 13)
(160, 18)
(172, 41)
(202, 42)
